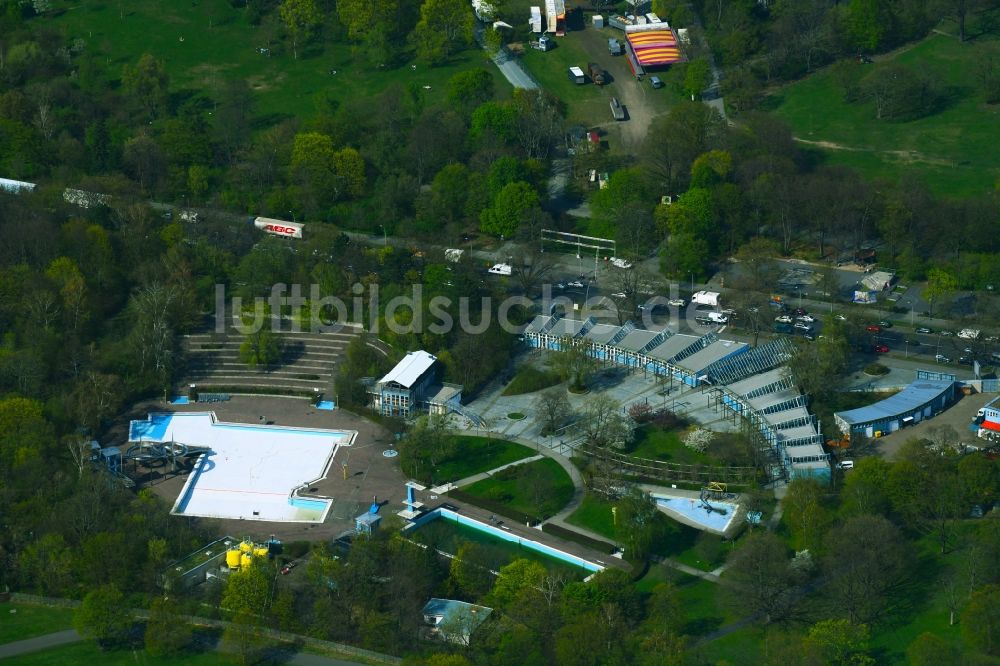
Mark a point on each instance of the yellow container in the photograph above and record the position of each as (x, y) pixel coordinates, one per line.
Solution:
(260, 551)
(233, 558)
(246, 560)
(246, 546)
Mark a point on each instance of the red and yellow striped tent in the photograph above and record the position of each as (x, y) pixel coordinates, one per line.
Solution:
(655, 47)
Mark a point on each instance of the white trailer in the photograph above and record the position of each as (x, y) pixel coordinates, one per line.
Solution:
(279, 227)
(709, 298)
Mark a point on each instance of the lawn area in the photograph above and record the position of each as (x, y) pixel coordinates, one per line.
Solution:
(540, 488)
(30, 621)
(588, 103)
(595, 515)
(657, 444)
(951, 150)
(88, 653)
(204, 43)
(472, 455)
(530, 379)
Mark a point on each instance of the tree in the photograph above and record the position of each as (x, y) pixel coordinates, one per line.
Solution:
(167, 633)
(531, 267)
(636, 523)
(247, 590)
(758, 579)
(757, 267)
(899, 92)
(839, 643)
(981, 620)
(510, 205)
(980, 479)
(301, 17)
(148, 83)
(470, 88)
(445, 27)
(553, 408)
(696, 77)
(103, 616)
(867, 561)
(604, 424)
(514, 578)
(469, 572)
(928, 649)
(242, 638)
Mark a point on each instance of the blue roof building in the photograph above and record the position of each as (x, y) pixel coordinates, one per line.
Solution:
(920, 400)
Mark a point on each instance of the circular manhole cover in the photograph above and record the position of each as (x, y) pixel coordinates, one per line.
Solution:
(390, 453)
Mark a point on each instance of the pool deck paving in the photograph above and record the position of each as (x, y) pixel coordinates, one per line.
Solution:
(370, 475)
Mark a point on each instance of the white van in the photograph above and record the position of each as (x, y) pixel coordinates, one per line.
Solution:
(501, 269)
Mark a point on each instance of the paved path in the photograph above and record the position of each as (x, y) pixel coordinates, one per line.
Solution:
(509, 66)
(69, 636)
(37, 643)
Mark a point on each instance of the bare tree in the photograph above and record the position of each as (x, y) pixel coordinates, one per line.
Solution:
(531, 267)
(554, 409)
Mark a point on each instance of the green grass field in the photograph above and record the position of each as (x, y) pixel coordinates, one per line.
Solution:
(530, 379)
(953, 150)
(549, 490)
(595, 515)
(477, 454)
(203, 43)
(656, 444)
(587, 103)
(20, 621)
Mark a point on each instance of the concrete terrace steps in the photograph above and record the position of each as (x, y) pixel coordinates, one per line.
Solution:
(234, 353)
(275, 374)
(301, 335)
(305, 367)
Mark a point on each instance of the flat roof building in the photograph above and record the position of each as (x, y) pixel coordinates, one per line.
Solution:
(412, 385)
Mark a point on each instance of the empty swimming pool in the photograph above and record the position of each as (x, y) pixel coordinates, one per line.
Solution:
(252, 471)
(693, 512)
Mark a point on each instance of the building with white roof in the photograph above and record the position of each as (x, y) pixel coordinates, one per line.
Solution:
(412, 385)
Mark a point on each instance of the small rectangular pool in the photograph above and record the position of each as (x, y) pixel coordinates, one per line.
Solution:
(695, 513)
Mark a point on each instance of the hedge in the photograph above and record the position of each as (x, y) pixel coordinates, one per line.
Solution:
(493, 507)
(582, 539)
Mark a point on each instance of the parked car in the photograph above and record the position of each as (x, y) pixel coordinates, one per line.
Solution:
(800, 312)
(965, 360)
(784, 319)
(845, 464)
(873, 328)
(655, 82)
(677, 302)
(802, 326)
(560, 285)
(576, 284)
(881, 349)
(807, 318)
(941, 358)
(924, 329)
(618, 294)
(947, 334)
(840, 317)
(809, 336)
(287, 569)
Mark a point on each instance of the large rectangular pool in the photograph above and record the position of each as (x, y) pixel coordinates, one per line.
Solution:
(251, 472)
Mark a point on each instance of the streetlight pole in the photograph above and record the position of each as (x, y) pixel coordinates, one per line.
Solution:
(692, 282)
(292, 213)
(385, 238)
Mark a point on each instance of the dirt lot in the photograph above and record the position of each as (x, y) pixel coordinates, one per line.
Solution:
(641, 101)
(369, 473)
(958, 416)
